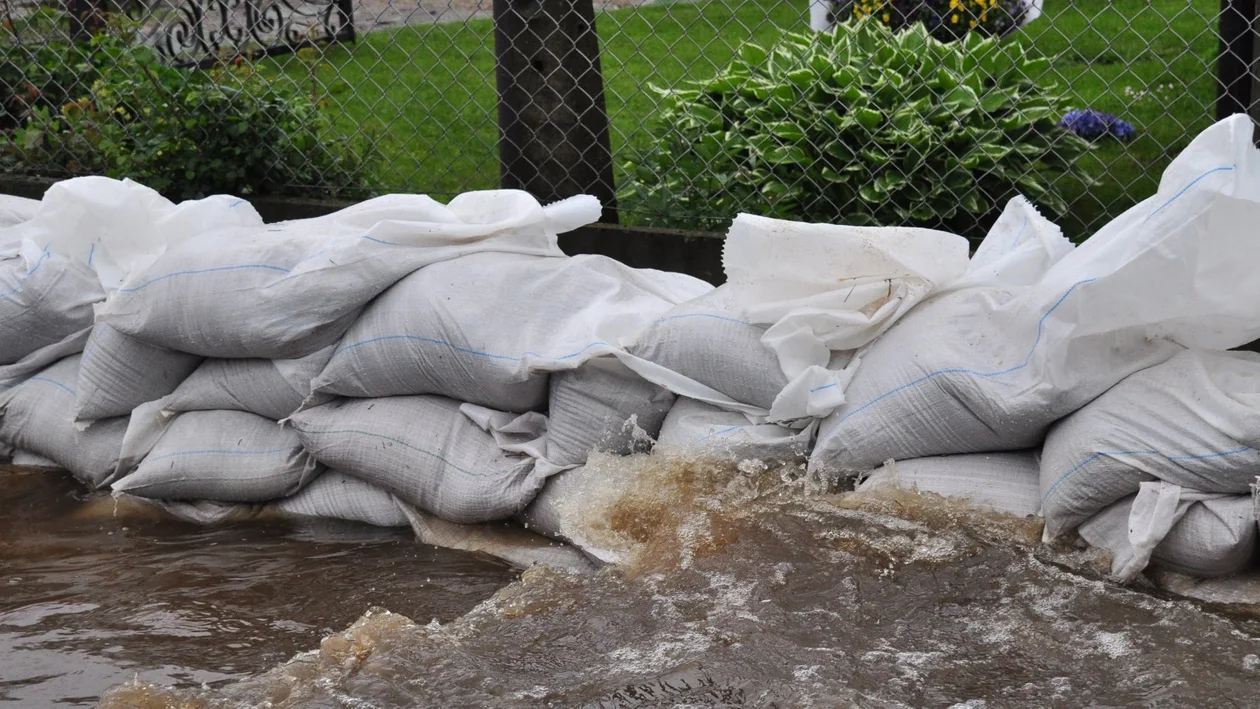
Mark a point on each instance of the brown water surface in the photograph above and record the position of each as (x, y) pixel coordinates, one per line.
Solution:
(89, 599)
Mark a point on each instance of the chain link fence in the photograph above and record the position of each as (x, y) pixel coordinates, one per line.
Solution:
(926, 112)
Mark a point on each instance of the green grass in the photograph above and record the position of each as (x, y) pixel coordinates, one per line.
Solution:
(427, 92)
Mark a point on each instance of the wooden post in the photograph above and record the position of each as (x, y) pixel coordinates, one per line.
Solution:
(1236, 66)
(553, 124)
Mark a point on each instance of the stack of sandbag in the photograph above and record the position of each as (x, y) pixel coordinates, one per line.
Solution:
(442, 381)
(1037, 330)
(80, 241)
(265, 307)
(1160, 467)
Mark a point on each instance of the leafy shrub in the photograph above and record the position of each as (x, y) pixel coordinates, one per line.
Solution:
(185, 133)
(858, 125)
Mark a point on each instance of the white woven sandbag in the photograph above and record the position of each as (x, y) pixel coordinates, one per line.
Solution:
(1193, 421)
(988, 367)
(335, 495)
(270, 388)
(26, 459)
(13, 374)
(1003, 482)
(572, 507)
(487, 328)
(37, 417)
(710, 341)
(286, 290)
(697, 428)
(223, 456)
(825, 288)
(519, 547)
(15, 210)
(425, 451)
(118, 373)
(602, 405)
(42, 301)
(115, 228)
(1212, 537)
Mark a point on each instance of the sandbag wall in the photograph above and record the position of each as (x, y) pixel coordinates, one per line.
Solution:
(405, 357)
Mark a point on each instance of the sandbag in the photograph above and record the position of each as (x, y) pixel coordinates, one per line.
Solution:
(42, 301)
(15, 210)
(335, 495)
(697, 428)
(37, 417)
(572, 507)
(117, 227)
(1003, 482)
(603, 405)
(776, 341)
(285, 290)
(709, 340)
(487, 328)
(988, 366)
(425, 451)
(118, 373)
(1193, 421)
(272, 389)
(1214, 537)
(13, 374)
(32, 460)
(222, 456)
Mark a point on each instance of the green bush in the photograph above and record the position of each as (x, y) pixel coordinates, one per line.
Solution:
(858, 125)
(186, 133)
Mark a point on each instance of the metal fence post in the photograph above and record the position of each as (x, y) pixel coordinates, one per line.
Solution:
(1236, 68)
(553, 124)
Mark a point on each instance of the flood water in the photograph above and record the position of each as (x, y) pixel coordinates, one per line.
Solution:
(90, 599)
(745, 591)
(741, 590)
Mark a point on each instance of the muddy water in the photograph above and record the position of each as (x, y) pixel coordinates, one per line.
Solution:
(89, 600)
(744, 591)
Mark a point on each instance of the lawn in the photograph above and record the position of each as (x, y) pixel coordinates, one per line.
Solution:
(427, 92)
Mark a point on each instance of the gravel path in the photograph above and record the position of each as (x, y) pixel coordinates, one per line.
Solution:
(374, 14)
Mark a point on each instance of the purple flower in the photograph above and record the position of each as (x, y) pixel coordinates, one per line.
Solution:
(1092, 125)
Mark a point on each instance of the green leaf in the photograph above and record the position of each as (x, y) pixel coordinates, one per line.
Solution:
(996, 100)
(845, 76)
(870, 194)
(786, 131)
(868, 118)
(802, 78)
(774, 189)
(1034, 68)
(787, 155)
(753, 54)
(961, 100)
(840, 150)
(971, 202)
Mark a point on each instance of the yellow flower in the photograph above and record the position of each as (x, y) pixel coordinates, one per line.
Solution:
(887, 17)
(973, 24)
(953, 19)
(953, 4)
